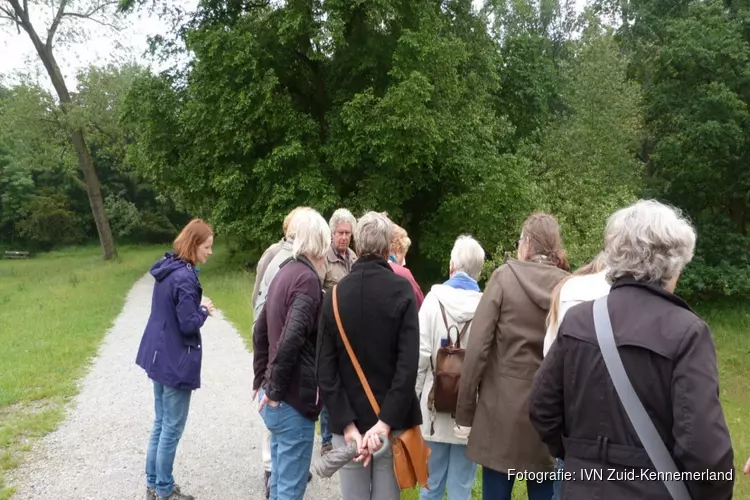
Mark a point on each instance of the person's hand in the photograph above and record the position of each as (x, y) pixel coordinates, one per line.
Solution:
(372, 437)
(266, 401)
(208, 304)
(351, 434)
(746, 469)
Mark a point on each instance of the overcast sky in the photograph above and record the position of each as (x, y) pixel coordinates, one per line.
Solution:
(104, 45)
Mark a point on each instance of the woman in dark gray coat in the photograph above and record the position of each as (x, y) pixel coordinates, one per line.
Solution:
(669, 357)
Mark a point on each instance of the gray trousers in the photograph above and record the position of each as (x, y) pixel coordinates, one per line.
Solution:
(377, 481)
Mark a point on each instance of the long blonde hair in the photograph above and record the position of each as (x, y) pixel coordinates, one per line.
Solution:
(596, 265)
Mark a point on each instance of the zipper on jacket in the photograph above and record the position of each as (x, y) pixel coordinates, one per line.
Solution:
(153, 361)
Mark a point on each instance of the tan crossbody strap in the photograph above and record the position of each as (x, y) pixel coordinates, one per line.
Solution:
(352, 357)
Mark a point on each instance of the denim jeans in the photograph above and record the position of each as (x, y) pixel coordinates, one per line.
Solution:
(325, 434)
(499, 486)
(292, 439)
(450, 469)
(171, 410)
(557, 489)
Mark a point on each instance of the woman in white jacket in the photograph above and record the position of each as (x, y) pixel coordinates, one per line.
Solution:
(449, 467)
(587, 283)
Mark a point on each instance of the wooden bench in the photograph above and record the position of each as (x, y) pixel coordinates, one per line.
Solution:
(14, 254)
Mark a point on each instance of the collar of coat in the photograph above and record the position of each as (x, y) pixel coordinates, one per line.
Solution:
(371, 260)
(333, 255)
(654, 288)
(302, 259)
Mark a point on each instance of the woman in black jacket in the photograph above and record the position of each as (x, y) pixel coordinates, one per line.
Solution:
(669, 357)
(378, 311)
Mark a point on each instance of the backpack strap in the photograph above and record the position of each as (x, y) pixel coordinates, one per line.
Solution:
(459, 335)
(463, 333)
(442, 312)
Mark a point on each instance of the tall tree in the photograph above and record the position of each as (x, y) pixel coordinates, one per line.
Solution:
(18, 13)
(381, 105)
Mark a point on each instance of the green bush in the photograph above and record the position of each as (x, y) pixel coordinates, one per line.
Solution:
(131, 224)
(50, 223)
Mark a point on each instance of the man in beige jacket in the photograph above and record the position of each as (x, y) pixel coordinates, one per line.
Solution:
(338, 263)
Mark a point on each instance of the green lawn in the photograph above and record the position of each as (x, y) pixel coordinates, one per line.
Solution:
(54, 311)
(229, 286)
(57, 307)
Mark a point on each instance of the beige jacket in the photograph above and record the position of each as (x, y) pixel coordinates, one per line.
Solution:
(503, 355)
(337, 266)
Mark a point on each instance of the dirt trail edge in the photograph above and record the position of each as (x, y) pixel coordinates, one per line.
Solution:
(98, 452)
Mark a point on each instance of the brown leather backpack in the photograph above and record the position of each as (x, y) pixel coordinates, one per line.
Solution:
(446, 371)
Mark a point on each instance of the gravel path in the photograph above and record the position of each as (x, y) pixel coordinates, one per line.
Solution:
(99, 451)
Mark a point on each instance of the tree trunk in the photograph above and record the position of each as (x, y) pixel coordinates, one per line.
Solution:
(85, 163)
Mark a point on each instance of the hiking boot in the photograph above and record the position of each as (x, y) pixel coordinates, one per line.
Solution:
(176, 495)
(325, 448)
(268, 484)
(150, 493)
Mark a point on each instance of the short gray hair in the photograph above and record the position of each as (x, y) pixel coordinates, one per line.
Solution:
(467, 256)
(342, 216)
(313, 235)
(372, 235)
(649, 241)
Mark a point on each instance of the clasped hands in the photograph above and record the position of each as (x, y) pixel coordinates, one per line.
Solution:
(368, 444)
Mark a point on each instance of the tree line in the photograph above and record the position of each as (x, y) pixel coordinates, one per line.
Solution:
(451, 120)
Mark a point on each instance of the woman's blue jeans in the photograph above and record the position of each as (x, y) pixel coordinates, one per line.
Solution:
(292, 440)
(171, 408)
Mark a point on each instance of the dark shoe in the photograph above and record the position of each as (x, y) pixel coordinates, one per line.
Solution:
(150, 494)
(268, 484)
(177, 495)
(325, 448)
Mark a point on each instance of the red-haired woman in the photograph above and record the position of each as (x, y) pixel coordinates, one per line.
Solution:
(170, 351)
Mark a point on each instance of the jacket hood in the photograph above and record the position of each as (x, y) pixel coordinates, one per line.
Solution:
(167, 265)
(537, 280)
(459, 304)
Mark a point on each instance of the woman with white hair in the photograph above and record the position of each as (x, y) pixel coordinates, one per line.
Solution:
(284, 341)
(378, 313)
(669, 358)
(445, 318)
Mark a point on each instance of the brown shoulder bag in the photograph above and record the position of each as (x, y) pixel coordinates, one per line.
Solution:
(411, 455)
(446, 371)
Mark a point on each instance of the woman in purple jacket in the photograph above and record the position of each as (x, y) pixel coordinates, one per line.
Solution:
(170, 351)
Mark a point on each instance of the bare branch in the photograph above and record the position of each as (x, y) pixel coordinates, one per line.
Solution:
(12, 15)
(89, 18)
(26, 7)
(90, 14)
(56, 23)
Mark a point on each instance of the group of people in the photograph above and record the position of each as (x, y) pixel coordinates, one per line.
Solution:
(533, 396)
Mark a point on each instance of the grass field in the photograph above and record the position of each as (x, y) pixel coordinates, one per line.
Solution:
(54, 310)
(229, 286)
(57, 307)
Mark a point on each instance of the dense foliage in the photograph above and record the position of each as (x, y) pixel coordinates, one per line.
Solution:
(43, 202)
(452, 120)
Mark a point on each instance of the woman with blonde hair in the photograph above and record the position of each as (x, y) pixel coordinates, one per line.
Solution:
(170, 351)
(589, 282)
(400, 244)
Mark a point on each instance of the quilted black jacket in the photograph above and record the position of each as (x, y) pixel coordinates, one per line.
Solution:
(285, 336)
